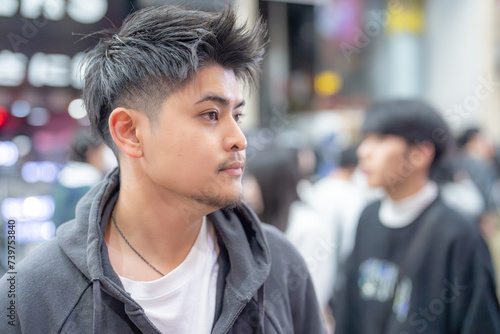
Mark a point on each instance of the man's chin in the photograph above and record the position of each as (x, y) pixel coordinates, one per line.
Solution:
(217, 202)
(233, 205)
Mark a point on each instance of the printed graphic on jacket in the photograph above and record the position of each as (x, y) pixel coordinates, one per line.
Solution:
(378, 280)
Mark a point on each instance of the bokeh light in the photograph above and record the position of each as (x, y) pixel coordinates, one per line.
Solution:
(38, 117)
(76, 109)
(23, 144)
(8, 153)
(20, 108)
(328, 83)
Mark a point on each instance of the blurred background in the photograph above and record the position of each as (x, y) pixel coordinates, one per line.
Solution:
(326, 61)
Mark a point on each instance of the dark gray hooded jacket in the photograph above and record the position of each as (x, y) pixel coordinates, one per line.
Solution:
(67, 285)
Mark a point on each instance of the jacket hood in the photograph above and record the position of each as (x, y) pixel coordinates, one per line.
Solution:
(238, 229)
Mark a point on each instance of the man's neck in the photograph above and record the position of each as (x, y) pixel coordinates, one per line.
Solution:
(161, 226)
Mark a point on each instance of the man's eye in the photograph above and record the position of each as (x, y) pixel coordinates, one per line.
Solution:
(212, 116)
(238, 117)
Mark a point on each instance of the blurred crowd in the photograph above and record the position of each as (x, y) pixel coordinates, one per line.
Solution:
(315, 195)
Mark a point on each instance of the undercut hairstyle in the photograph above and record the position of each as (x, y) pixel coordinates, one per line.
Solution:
(157, 51)
(414, 120)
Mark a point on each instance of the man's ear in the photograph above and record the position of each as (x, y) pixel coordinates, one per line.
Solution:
(123, 126)
(422, 155)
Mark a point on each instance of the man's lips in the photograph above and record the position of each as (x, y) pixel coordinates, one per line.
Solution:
(235, 168)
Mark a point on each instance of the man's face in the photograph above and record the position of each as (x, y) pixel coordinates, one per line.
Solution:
(196, 149)
(384, 160)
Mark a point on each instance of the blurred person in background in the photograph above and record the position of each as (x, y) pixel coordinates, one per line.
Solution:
(490, 222)
(163, 243)
(276, 172)
(458, 190)
(86, 167)
(477, 160)
(339, 198)
(417, 265)
(272, 183)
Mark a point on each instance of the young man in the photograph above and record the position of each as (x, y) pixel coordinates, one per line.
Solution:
(417, 265)
(163, 244)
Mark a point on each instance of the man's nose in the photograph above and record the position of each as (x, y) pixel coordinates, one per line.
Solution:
(234, 140)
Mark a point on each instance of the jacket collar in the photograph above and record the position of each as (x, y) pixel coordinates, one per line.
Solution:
(249, 256)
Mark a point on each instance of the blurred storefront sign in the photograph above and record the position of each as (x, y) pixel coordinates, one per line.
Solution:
(82, 11)
(33, 216)
(54, 70)
(42, 41)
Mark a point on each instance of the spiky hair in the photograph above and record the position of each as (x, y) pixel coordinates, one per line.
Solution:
(157, 51)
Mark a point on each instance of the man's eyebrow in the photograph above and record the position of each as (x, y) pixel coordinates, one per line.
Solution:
(220, 100)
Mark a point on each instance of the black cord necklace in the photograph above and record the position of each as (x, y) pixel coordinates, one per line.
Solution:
(128, 243)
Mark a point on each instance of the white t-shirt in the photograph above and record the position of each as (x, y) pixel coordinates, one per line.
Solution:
(183, 301)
